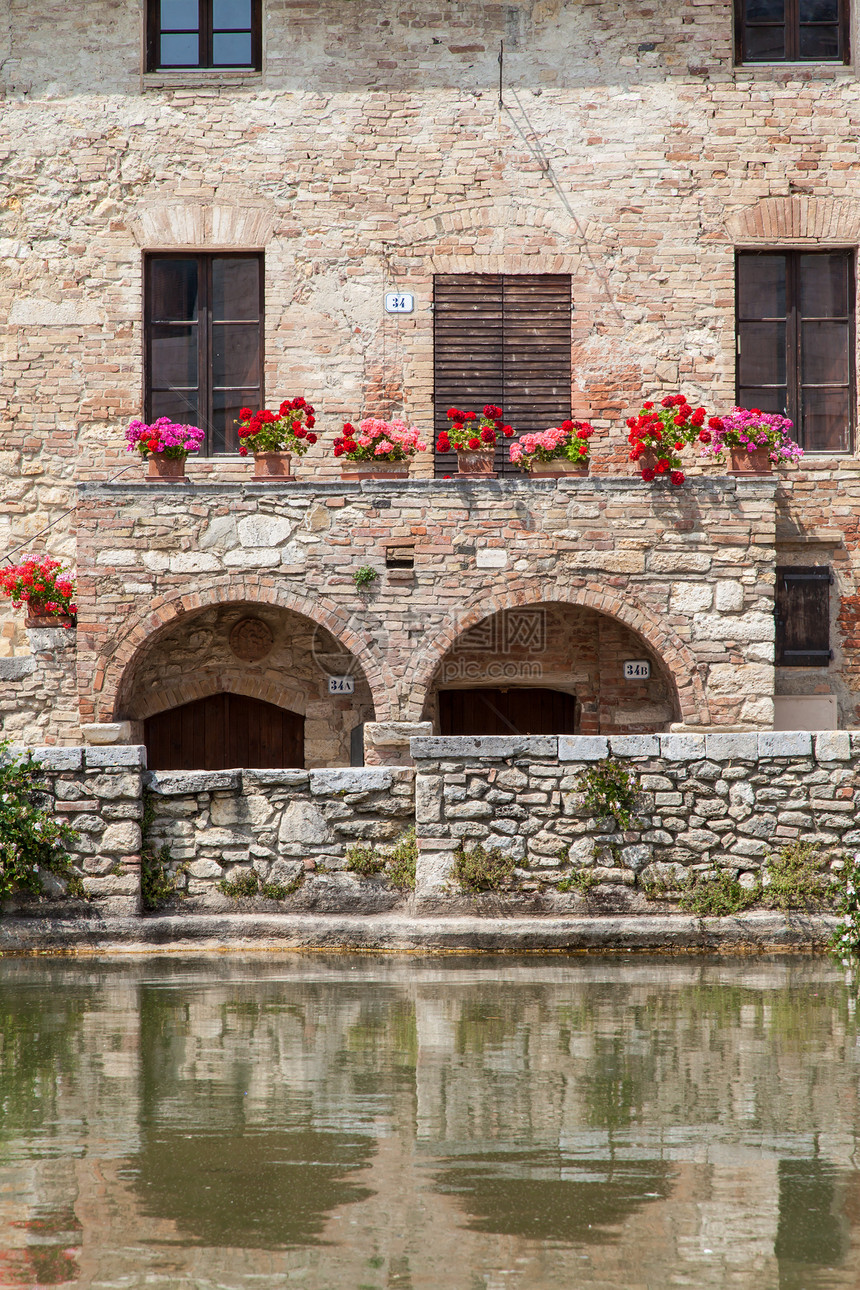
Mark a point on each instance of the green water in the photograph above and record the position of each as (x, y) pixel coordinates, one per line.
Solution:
(363, 1123)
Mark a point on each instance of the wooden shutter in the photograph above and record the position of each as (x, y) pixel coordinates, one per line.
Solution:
(517, 711)
(803, 616)
(502, 339)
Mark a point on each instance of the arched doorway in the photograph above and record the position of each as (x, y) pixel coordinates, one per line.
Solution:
(224, 731)
(515, 711)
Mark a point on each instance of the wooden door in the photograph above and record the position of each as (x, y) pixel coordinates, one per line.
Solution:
(507, 712)
(222, 732)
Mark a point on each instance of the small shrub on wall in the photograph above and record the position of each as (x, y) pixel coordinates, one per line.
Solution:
(32, 842)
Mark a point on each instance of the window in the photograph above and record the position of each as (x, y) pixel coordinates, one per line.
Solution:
(795, 342)
(203, 33)
(803, 616)
(791, 31)
(502, 340)
(204, 341)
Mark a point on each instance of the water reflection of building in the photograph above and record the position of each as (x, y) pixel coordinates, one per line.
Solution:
(403, 1125)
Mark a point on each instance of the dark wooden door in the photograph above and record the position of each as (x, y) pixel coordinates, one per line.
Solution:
(222, 732)
(507, 712)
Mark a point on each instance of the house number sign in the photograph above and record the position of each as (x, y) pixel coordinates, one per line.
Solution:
(341, 685)
(398, 302)
(637, 669)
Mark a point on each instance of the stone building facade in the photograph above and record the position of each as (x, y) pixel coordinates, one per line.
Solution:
(630, 150)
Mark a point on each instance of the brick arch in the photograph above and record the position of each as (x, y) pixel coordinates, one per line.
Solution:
(798, 219)
(501, 235)
(203, 684)
(680, 665)
(115, 667)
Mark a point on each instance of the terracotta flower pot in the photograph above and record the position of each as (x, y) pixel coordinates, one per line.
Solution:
(477, 462)
(160, 468)
(757, 462)
(272, 465)
(42, 620)
(352, 470)
(559, 466)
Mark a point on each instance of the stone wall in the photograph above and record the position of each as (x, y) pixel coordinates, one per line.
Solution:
(707, 803)
(291, 828)
(98, 791)
(39, 690)
(576, 577)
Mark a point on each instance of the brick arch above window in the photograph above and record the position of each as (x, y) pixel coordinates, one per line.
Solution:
(167, 225)
(796, 221)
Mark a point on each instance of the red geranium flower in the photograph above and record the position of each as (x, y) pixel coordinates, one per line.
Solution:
(676, 477)
(474, 444)
(647, 474)
(245, 414)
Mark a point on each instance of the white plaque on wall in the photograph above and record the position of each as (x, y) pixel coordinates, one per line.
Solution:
(341, 685)
(399, 302)
(637, 669)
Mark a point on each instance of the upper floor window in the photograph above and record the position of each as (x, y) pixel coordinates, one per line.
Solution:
(795, 342)
(791, 31)
(502, 339)
(184, 34)
(204, 341)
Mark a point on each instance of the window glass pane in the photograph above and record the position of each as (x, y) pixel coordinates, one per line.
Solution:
(235, 289)
(179, 405)
(765, 10)
(173, 355)
(180, 51)
(824, 350)
(231, 49)
(826, 420)
(819, 42)
(179, 15)
(764, 44)
(824, 286)
(772, 400)
(228, 14)
(173, 291)
(762, 357)
(225, 413)
(761, 286)
(236, 354)
(819, 10)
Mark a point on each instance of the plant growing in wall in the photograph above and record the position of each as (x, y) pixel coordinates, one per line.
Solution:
(32, 842)
(476, 869)
(363, 576)
(160, 879)
(610, 789)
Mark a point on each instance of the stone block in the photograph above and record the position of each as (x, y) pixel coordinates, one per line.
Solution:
(732, 747)
(490, 746)
(205, 869)
(634, 745)
(682, 747)
(56, 758)
(130, 756)
(15, 669)
(469, 811)
(303, 823)
(177, 783)
(428, 799)
(108, 732)
(113, 885)
(729, 596)
(264, 531)
(785, 743)
(360, 779)
(636, 857)
(833, 745)
(582, 747)
(274, 778)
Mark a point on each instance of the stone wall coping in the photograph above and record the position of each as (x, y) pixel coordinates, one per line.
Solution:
(176, 783)
(828, 746)
(590, 484)
(78, 756)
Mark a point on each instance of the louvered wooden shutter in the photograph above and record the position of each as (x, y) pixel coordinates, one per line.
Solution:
(803, 616)
(502, 339)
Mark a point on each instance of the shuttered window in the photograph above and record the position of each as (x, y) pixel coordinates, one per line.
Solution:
(795, 342)
(505, 340)
(204, 342)
(803, 616)
(777, 31)
(183, 34)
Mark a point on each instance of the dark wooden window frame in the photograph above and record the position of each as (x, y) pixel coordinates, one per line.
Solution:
(493, 318)
(204, 62)
(810, 646)
(204, 334)
(793, 355)
(792, 36)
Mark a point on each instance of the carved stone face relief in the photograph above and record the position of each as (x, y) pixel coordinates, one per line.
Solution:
(251, 640)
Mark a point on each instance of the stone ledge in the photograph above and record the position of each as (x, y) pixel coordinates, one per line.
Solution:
(486, 746)
(51, 757)
(118, 757)
(175, 783)
(759, 932)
